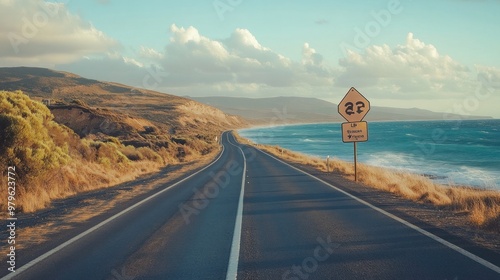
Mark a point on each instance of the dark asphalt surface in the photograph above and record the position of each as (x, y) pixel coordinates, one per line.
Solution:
(293, 227)
(296, 227)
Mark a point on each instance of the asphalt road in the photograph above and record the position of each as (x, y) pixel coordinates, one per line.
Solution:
(250, 216)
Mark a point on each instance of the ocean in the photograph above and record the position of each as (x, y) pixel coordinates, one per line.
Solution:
(465, 152)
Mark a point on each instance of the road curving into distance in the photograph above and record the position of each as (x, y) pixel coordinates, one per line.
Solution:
(250, 216)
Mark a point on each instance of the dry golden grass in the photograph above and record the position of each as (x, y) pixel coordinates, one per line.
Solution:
(53, 162)
(78, 177)
(35, 235)
(482, 206)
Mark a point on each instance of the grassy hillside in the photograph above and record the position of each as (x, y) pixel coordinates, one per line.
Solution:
(94, 134)
(52, 161)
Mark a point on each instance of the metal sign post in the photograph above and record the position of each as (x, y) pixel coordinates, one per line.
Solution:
(355, 161)
(354, 107)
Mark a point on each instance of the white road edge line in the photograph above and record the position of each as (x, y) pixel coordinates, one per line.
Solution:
(406, 223)
(94, 228)
(232, 268)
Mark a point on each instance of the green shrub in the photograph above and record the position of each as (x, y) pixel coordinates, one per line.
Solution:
(110, 151)
(24, 137)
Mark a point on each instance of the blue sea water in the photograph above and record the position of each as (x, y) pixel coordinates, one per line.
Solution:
(450, 152)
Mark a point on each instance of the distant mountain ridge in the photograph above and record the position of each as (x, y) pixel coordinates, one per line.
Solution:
(281, 110)
(173, 112)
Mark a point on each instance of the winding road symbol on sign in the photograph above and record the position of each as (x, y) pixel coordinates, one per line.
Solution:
(354, 106)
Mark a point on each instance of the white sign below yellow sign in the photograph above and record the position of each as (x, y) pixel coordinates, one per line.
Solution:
(354, 132)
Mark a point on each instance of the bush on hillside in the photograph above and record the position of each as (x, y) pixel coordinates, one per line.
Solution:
(24, 138)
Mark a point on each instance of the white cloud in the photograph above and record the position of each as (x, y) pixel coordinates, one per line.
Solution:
(193, 64)
(416, 74)
(150, 53)
(244, 40)
(239, 65)
(36, 32)
(310, 57)
(193, 59)
(406, 70)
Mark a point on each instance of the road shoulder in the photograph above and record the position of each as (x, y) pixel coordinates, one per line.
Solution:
(450, 225)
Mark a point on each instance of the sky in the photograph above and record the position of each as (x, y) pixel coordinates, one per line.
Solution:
(440, 55)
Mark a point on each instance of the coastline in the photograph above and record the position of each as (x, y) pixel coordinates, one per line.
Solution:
(258, 126)
(446, 177)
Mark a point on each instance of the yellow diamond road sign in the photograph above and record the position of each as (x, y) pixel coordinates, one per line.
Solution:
(354, 106)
